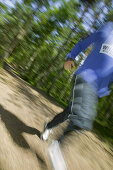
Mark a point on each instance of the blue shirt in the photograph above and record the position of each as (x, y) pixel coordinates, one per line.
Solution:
(97, 69)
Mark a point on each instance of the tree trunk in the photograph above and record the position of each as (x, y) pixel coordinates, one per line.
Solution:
(62, 93)
(55, 79)
(49, 67)
(9, 50)
(31, 63)
(46, 72)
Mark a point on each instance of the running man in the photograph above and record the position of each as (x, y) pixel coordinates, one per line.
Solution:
(91, 80)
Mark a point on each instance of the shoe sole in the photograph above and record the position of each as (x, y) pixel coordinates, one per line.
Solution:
(56, 156)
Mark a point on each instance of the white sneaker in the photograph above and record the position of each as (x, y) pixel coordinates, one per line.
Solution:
(45, 134)
(56, 156)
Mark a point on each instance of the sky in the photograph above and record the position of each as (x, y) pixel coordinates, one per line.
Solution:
(10, 2)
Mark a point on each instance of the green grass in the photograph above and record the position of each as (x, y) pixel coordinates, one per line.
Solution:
(105, 133)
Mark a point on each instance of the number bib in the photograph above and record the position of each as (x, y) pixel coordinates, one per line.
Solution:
(107, 49)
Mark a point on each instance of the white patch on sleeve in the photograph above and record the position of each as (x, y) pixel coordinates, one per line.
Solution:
(107, 49)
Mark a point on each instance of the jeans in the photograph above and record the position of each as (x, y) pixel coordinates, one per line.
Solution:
(82, 107)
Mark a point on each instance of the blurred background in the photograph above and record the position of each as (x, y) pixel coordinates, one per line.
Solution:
(37, 35)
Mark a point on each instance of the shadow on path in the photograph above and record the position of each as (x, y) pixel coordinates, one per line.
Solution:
(16, 127)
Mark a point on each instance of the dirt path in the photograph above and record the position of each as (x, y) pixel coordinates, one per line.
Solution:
(23, 112)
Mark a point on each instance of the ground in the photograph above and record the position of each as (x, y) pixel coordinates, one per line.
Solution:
(23, 112)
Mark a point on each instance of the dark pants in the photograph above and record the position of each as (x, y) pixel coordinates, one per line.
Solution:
(81, 110)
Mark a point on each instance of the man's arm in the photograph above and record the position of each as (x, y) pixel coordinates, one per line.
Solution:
(82, 45)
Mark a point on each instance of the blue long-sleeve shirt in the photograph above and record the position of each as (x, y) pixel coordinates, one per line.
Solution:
(97, 69)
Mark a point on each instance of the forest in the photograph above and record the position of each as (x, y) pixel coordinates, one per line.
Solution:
(37, 35)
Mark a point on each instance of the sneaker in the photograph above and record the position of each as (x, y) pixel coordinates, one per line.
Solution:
(56, 156)
(45, 134)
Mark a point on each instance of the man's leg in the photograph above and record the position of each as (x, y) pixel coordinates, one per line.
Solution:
(83, 108)
(84, 105)
(60, 118)
(82, 114)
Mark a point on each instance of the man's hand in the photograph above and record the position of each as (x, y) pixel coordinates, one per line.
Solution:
(69, 64)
